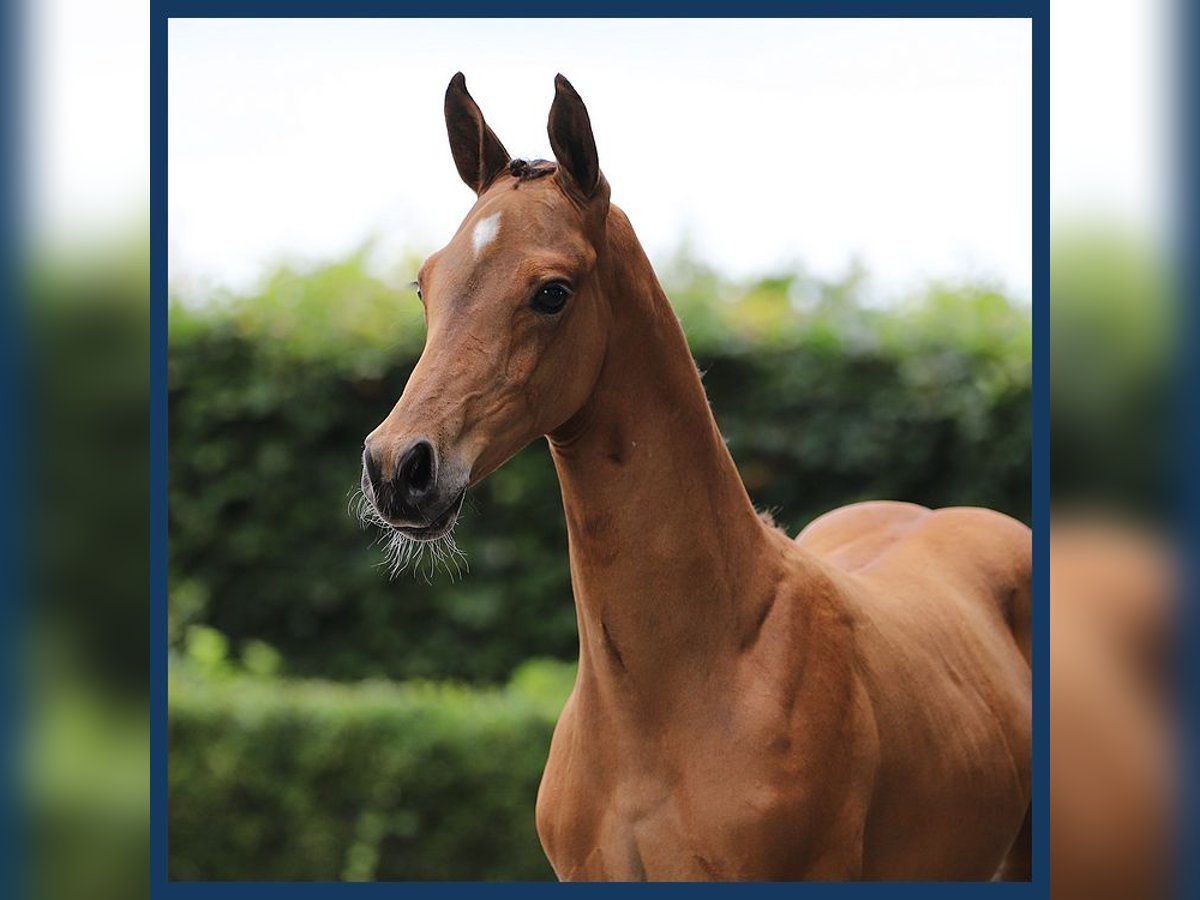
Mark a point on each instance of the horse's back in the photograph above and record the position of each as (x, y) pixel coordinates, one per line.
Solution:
(896, 548)
(952, 585)
(854, 536)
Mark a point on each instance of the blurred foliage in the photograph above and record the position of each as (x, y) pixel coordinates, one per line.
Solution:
(86, 755)
(824, 400)
(88, 489)
(84, 495)
(1112, 327)
(300, 780)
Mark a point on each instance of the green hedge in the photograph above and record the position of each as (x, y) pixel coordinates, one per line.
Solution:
(824, 400)
(276, 780)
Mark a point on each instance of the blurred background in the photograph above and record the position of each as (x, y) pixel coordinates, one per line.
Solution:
(862, 308)
(1119, 424)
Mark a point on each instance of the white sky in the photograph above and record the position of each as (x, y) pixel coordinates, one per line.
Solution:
(1112, 102)
(905, 144)
(301, 140)
(86, 101)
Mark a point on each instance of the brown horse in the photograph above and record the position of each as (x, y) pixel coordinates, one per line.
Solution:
(851, 704)
(1114, 721)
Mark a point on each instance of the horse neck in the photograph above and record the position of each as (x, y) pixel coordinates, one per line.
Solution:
(666, 549)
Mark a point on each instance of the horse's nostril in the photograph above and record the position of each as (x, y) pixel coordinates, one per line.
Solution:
(399, 493)
(416, 469)
(374, 473)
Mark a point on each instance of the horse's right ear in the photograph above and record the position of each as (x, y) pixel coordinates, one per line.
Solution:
(478, 153)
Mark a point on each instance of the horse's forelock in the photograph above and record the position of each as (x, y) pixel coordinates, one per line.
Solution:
(529, 169)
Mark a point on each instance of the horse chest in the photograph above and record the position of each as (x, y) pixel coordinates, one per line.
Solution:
(666, 824)
(627, 837)
(636, 830)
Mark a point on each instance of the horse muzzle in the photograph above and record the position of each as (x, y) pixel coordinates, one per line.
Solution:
(412, 495)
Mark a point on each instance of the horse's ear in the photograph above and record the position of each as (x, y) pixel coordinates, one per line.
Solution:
(478, 153)
(572, 141)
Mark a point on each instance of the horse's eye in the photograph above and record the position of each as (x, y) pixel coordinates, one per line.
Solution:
(551, 298)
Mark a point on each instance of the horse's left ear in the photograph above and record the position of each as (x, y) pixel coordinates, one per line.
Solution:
(572, 141)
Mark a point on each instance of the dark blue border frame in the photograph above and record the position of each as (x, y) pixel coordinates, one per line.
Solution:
(161, 10)
(1185, 228)
(13, 378)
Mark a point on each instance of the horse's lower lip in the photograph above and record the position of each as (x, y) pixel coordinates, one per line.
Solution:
(439, 526)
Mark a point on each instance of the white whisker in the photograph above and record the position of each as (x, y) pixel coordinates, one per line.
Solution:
(401, 553)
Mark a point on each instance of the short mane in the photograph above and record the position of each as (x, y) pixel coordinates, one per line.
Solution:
(529, 169)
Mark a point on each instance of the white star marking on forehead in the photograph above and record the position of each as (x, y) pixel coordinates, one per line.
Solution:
(485, 232)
